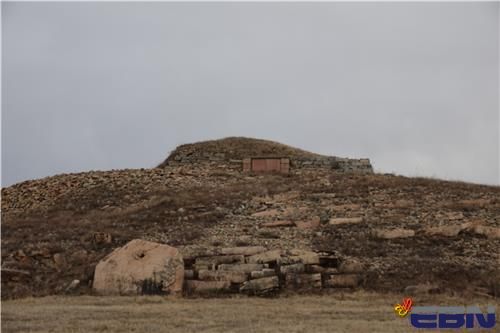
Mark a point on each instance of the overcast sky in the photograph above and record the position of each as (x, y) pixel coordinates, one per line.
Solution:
(412, 86)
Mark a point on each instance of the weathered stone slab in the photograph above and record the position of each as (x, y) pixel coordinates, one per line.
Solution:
(342, 281)
(231, 276)
(217, 260)
(261, 285)
(242, 250)
(345, 220)
(265, 257)
(245, 268)
(263, 273)
(140, 267)
(196, 286)
(303, 281)
(294, 268)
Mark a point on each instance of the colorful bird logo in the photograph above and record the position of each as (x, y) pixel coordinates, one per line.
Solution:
(403, 310)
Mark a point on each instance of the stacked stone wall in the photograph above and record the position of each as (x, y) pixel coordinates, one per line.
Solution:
(220, 160)
(257, 270)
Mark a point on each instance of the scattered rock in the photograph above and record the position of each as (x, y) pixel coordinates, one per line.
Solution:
(59, 261)
(490, 232)
(72, 286)
(268, 234)
(447, 230)
(345, 220)
(267, 213)
(394, 233)
(278, 224)
(313, 223)
(99, 238)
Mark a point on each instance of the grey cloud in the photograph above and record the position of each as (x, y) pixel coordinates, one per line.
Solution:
(413, 86)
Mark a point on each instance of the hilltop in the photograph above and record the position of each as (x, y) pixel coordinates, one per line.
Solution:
(407, 232)
(236, 148)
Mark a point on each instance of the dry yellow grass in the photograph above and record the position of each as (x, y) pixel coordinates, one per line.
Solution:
(351, 312)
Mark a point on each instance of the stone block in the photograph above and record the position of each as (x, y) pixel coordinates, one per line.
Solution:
(294, 268)
(231, 276)
(303, 281)
(313, 223)
(345, 220)
(242, 250)
(196, 286)
(394, 233)
(245, 268)
(263, 273)
(261, 285)
(304, 256)
(217, 260)
(265, 257)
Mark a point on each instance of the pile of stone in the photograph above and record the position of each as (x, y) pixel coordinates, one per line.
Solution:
(257, 270)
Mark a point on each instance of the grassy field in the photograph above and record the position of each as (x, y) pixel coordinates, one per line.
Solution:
(350, 312)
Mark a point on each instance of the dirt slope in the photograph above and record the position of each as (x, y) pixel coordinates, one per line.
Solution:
(56, 229)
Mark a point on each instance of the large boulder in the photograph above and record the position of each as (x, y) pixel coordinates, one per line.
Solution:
(140, 267)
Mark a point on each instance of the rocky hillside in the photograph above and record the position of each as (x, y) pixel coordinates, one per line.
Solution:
(409, 233)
